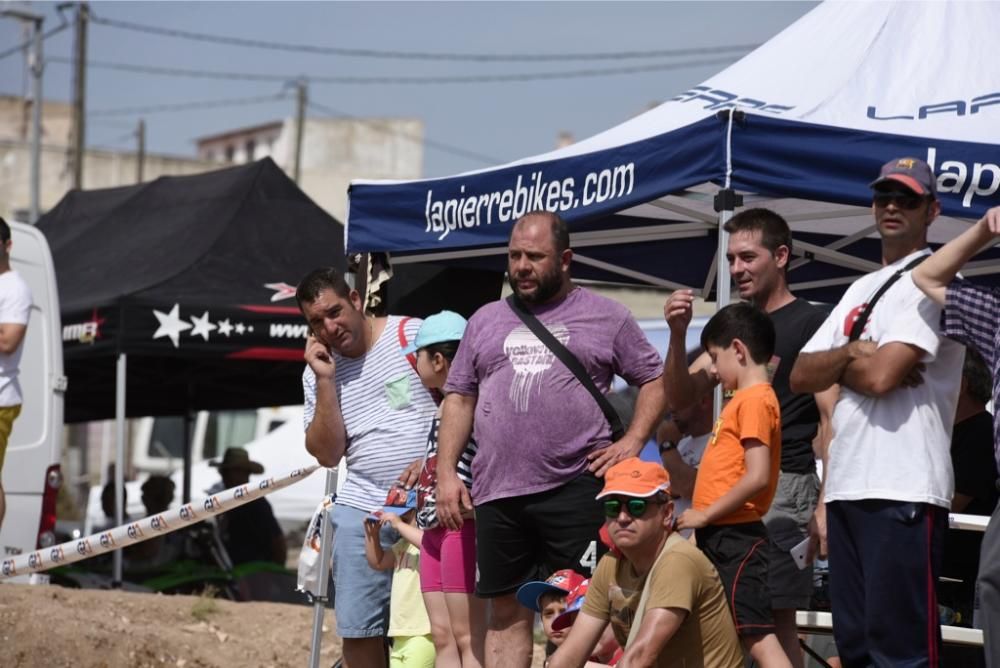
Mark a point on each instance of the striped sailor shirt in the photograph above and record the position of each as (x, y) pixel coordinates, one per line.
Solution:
(386, 411)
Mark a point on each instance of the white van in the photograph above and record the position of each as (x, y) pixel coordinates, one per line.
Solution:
(31, 472)
(158, 442)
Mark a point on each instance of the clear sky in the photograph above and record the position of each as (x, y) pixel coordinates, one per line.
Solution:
(496, 121)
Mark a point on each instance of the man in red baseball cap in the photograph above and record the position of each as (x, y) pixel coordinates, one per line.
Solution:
(662, 596)
(889, 481)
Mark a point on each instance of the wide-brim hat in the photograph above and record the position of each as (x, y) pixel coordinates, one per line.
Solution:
(237, 459)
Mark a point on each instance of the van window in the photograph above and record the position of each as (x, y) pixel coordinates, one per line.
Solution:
(167, 439)
(226, 429)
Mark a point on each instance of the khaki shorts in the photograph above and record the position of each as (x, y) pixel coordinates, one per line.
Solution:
(7, 416)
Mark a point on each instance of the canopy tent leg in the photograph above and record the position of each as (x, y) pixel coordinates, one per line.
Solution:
(186, 483)
(325, 550)
(726, 202)
(116, 579)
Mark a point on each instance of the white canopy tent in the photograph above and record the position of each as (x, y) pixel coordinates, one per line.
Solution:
(801, 125)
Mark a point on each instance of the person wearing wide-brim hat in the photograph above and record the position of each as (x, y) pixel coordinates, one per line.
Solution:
(250, 532)
(237, 459)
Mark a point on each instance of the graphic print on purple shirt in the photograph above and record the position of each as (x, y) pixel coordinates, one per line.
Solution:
(534, 422)
(530, 359)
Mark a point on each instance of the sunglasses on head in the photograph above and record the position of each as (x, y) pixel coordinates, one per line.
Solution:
(634, 507)
(903, 200)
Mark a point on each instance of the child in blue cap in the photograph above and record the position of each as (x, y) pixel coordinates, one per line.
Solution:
(447, 557)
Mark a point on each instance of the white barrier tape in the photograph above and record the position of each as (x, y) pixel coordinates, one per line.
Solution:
(148, 527)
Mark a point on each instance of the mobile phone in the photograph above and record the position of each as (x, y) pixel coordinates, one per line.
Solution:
(799, 553)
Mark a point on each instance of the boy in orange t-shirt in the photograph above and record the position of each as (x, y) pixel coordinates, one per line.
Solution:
(739, 474)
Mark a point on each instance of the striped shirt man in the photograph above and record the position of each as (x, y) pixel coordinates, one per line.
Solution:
(386, 411)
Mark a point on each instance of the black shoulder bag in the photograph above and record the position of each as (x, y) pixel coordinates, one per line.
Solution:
(571, 363)
(865, 313)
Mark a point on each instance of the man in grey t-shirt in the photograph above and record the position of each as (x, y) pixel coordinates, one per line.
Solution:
(543, 440)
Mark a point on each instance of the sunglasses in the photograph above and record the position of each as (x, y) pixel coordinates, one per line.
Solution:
(634, 507)
(907, 201)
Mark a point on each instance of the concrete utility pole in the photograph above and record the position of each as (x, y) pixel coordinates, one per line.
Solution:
(301, 100)
(79, 93)
(140, 153)
(36, 64)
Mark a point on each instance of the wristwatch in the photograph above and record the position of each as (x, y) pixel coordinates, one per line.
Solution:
(666, 446)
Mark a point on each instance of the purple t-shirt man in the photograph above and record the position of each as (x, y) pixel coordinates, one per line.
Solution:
(534, 422)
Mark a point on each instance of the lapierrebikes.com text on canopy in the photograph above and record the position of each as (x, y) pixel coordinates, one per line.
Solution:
(532, 194)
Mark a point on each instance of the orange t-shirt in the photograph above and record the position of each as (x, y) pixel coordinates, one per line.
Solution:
(752, 413)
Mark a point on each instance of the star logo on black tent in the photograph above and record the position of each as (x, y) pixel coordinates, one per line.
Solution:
(171, 325)
(202, 326)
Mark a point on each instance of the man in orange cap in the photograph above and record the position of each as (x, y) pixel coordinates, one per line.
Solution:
(663, 597)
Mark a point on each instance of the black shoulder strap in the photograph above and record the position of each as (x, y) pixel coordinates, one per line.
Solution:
(859, 324)
(571, 363)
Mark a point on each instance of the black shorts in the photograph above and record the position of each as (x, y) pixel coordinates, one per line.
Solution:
(739, 553)
(526, 538)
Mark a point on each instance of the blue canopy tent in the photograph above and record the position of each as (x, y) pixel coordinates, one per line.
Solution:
(800, 125)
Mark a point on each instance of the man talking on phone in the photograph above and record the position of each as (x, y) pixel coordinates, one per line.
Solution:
(364, 404)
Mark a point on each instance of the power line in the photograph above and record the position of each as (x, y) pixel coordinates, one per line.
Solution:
(383, 80)
(431, 143)
(24, 45)
(185, 106)
(412, 55)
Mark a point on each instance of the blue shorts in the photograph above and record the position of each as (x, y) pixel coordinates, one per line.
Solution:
(361, 594)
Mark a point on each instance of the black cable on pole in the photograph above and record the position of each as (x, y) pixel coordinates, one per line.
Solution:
(384, 80)
(185, 106)
(431, 143)
(411, 55)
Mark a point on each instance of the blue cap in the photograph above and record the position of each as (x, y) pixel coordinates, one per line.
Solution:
(438, 328)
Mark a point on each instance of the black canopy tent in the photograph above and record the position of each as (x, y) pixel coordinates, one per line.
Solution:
(178, 295)
(193, 278)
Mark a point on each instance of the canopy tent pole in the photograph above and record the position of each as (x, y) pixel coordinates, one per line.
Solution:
(325, 551)
(727, 201)
(186, 482)
(116, 579)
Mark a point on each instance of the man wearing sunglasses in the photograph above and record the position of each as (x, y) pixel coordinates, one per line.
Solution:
(889, 481)
(661, 583)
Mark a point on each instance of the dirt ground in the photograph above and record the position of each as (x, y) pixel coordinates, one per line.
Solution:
(56, 627)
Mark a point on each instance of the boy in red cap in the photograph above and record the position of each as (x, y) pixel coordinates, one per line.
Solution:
(662, 596)
(548, 599)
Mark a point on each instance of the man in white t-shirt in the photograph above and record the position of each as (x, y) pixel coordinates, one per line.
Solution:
(889, 482)
(15, 307)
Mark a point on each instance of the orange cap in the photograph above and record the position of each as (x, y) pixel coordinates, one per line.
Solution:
(634, 477)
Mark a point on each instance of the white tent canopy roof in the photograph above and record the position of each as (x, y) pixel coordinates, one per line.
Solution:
(825, 103)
